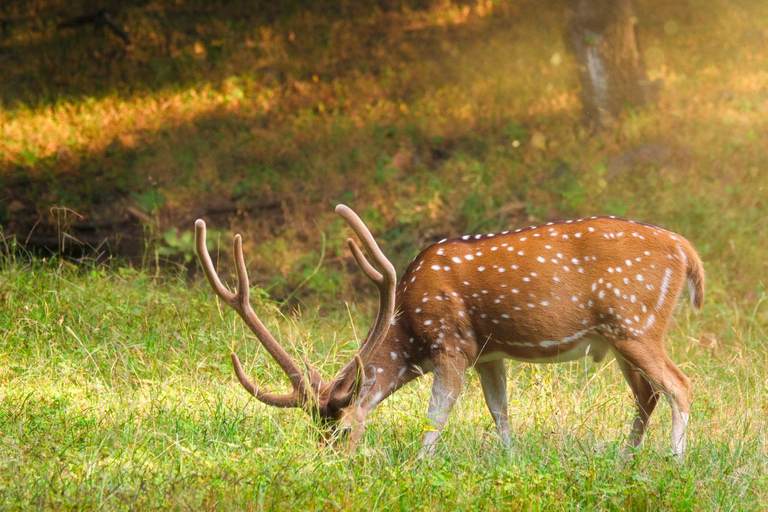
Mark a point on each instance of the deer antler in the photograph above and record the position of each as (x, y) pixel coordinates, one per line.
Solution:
(240, 302)
(307, 387)
(382, 273)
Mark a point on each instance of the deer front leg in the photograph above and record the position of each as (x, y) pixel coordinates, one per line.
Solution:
(493, 379)
(449, 377)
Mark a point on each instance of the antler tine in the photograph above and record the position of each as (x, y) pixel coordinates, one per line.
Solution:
(205, 260)
(385, 281)
(241, 304)
(371, 247)
(370, 272)
(243, 283)
(289, 400)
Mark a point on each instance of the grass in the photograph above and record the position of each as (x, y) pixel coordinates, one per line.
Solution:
(431, 121)
(116, 392)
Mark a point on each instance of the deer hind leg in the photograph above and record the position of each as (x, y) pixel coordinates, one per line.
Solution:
(665, 376)
(493, 379)
(680, 401)
(645, 402)
(448, 380)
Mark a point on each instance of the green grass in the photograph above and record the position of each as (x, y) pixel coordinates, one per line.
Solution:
(430, 120)
(116, 391)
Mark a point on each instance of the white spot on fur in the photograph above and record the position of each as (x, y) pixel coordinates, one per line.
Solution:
(664, 287)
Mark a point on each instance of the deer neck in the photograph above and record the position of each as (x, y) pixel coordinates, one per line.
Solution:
(392, 363)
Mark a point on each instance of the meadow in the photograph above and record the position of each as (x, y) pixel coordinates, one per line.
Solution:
(433, 120)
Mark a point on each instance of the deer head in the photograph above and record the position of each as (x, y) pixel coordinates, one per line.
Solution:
(544, 294)
(327, 402)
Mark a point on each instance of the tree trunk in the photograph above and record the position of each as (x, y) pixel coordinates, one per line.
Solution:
(603, 38)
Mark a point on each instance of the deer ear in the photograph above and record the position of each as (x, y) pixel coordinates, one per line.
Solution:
(370, 379)
(365, 379)
(354, 379)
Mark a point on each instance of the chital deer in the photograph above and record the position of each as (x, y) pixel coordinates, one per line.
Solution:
(545, 294)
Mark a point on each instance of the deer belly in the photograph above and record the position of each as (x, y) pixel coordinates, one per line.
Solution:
(585, 344)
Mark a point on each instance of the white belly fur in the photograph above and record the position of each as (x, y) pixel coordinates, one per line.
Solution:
(592, 345)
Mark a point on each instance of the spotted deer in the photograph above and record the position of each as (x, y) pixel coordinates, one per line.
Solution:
(543, 294)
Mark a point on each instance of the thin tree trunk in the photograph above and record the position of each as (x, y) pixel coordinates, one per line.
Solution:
(602, 36)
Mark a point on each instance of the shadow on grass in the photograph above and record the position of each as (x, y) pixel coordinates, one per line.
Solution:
(183, 44)
(228, 163)
(218, 166)
(106, 200)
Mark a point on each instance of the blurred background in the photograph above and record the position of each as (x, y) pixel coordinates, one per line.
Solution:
(122, 122)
